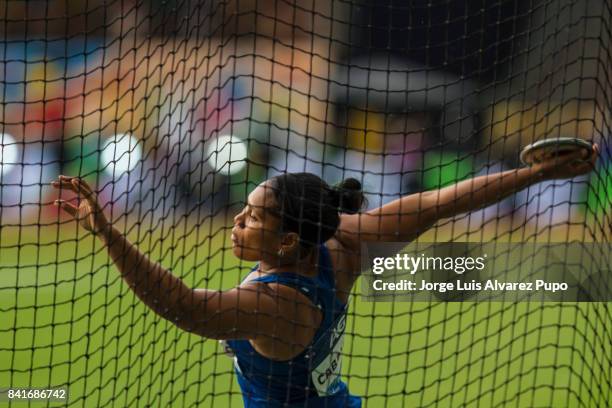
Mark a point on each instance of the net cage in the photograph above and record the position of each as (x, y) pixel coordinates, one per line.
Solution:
(174, 111)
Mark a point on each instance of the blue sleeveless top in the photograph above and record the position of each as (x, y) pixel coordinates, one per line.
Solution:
(312, 378)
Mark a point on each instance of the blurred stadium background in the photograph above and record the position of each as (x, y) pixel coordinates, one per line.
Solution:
(175, 110)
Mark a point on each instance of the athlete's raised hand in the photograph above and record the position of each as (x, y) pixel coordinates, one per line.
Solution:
(88, 212)
(567, 165)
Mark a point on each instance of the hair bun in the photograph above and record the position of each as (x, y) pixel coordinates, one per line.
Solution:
(347, 196)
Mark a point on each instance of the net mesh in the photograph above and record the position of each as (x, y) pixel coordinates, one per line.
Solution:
(175, 110)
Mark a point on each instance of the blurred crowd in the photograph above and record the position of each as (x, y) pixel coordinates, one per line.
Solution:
(184, 124)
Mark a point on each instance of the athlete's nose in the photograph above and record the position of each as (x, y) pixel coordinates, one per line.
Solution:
(239, 219)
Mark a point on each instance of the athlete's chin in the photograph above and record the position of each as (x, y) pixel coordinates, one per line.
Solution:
(244, 254)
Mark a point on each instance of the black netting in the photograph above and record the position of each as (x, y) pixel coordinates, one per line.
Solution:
(174, 111)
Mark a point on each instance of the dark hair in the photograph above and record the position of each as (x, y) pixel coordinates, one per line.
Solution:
(309, 207)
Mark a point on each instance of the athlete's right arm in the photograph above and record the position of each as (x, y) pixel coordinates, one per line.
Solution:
(406, 218)
(251, 311)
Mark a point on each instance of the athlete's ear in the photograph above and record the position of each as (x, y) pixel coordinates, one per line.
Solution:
(290, 243)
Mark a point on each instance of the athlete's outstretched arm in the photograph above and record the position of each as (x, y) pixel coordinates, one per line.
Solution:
(406, 218)
(250, 311)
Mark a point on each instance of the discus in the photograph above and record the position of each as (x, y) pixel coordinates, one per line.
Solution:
(548, 148)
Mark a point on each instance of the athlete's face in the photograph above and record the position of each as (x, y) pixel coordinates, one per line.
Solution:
(256, 234)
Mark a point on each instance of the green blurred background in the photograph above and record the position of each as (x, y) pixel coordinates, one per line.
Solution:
(73, 321)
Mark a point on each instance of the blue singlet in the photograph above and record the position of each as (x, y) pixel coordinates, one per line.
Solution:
(312, 378)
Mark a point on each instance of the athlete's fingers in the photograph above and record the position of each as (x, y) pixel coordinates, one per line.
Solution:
(588, 163)
(80, 189)
(595, 153)
(577, 155)
(85, 186)
(572, 158)
(73, 183)
(64, 183)
(590, 158)
(66, 179)
(66, 206)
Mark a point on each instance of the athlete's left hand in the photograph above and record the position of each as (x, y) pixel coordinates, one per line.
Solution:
(88, 212)
(567, 165)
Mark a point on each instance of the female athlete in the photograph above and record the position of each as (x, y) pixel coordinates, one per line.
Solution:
(284, 323)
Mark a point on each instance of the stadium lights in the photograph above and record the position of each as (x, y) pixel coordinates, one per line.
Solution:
(9, 152)
(120, 153)
(227, 154)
